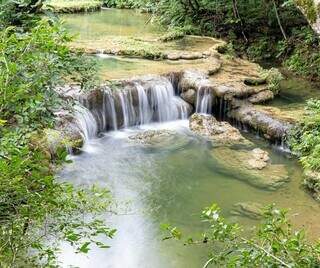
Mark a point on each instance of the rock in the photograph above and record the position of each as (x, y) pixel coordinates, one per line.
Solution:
(259, 159)
(194, 79)
(288, 114)
(214, 67)
(189, 96)
(250, 210)
(249, 81)
(191, 55)
(262, 96)
(151, 136)
(312, 183)
(218, 132)
(239, 163)
(270, 127)
(173, 56)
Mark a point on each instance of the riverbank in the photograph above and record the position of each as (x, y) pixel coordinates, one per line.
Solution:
(79, 6)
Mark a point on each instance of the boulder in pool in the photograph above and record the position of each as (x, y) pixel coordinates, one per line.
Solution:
(251, 166)
(152, 136)
(218, 132)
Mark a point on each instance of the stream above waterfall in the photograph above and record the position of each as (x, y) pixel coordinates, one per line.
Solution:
(172, 179)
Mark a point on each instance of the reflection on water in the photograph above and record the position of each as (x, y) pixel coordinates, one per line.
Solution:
(170, 182)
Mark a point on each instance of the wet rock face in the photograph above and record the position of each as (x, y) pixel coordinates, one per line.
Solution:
(250, 210)
(189, 96)
(194, 79)
(271, 128)
(218, 132)
(251, 167)
(65, 136)
(261, 97)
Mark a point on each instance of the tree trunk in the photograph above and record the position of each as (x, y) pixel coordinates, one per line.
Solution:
(278, 19)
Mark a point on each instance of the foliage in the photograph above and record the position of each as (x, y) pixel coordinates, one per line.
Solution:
(36, 211)
(274, 244)
(19, 13)
(273, 78)
(72, 6)
(305, 138)
(31, 65)
(262, 29)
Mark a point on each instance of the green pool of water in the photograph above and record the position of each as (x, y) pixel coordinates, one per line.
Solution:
(171, 182)
(294, 93)
(111, 67)
(111, 22)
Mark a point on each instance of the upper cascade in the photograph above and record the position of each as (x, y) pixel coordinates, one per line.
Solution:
(135, 102)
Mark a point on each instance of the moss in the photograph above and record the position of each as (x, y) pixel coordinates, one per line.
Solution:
(309, 8)
(273, 78)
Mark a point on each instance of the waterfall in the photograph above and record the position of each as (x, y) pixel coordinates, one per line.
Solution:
(182, 107)
(145, 114)
(128, 112)
(204, 101)
(109, 109)
(86, 122)
(162, 102)
(138, 102)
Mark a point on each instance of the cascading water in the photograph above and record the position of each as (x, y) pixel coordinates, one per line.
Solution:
(182, 107)
(109, 109)
(163, 103)
(127, 108)
(86, 122)
(154, 100)
(145, 114)
(204, 101)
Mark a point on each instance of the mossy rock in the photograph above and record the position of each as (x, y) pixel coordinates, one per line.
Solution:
(312, 183)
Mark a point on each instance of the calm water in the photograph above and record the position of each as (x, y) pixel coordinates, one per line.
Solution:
(111, 67)
(111, 22)
(171, 182)
(295, 92)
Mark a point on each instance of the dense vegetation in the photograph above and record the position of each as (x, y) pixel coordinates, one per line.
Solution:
(305, 141)
(273, 244)
(262, 29)
(35, 210)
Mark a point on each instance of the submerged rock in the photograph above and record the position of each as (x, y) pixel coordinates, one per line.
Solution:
(259, 159)
(152, 136)
(250, 210)
(218, 132)
(252, 167)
